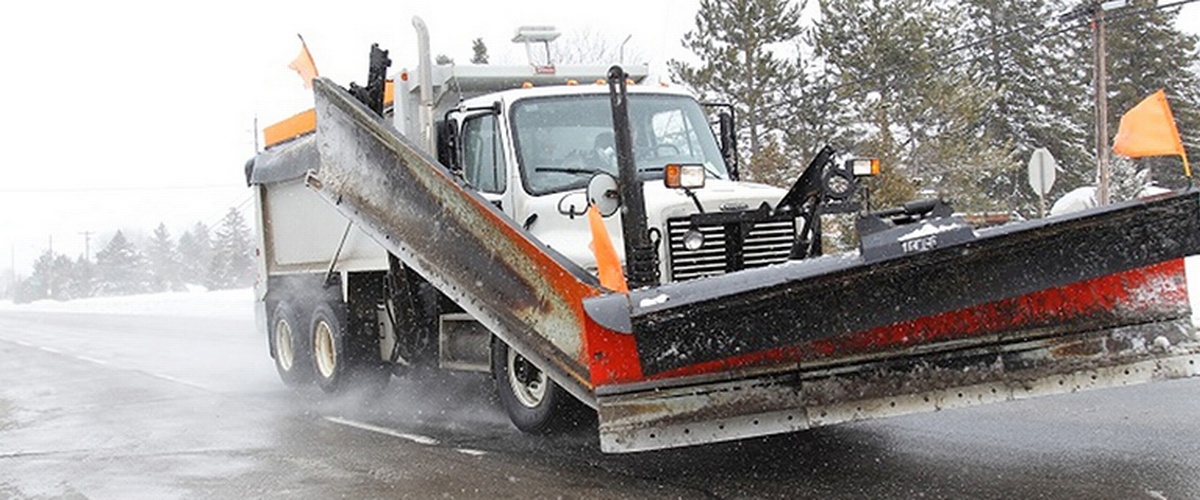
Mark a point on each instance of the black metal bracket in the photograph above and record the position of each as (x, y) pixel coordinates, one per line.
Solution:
(641, 258)
(372, 95)
(728, 135)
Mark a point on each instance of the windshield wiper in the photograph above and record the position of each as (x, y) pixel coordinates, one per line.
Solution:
(581, 171)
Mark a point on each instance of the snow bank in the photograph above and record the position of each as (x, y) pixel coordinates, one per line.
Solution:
(223, 304)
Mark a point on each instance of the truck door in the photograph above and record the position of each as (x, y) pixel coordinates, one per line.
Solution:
(483, 159)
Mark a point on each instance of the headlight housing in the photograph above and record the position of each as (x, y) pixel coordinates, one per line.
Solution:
(693, 240)
(684, 176)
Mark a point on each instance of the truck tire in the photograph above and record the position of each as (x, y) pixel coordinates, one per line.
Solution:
(290, 347)
(341, 362)
(534, 403)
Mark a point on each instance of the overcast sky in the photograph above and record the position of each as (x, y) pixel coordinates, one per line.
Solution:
(124, 114)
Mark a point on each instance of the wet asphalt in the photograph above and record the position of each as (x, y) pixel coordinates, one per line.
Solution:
(131, 407)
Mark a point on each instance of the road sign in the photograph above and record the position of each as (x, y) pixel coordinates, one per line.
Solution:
(1041, 171)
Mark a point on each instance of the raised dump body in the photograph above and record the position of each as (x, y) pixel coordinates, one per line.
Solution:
(964, 317)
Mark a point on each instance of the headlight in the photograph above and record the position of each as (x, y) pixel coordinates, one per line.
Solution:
(684, 176)
(839, 184)
(693, 240)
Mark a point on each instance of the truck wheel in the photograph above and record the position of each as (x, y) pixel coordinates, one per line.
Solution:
(289, 347)
(534, 403)
(341, 362)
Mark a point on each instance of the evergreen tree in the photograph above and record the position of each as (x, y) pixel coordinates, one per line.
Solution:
(232, 261)
(83, 278)
(1147, 53)
(903, 102)
(816, 118)
(38, 286)
(26, 291)
(479, 51)
(164, 261)
(1032, 96)
(8, 280)
(121, 268)
(62, 278)
(55, 277)
(196, 253)
(443, 60)
(735, 39)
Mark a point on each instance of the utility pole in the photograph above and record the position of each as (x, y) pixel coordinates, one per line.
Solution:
(87, 245)
(1095, 9)
(1102, 170)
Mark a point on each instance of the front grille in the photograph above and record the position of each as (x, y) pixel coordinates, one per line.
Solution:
(762, 244)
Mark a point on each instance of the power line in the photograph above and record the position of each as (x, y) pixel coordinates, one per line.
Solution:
(119, 189)
(217, 220)
(998, 36)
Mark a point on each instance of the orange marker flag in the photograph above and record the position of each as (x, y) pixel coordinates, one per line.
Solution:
(612, 276)
(1149, 130)
(304, 65)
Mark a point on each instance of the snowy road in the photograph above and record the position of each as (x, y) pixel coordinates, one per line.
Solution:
(178, 399)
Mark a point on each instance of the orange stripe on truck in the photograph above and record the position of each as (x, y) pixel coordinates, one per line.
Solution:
(290, 128)
(305, 122)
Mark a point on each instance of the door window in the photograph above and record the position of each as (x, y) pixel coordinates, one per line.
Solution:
(483, 155)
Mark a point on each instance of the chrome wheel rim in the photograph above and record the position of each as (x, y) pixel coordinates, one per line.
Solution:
(284, 353)
(527, 382)
(326, 353)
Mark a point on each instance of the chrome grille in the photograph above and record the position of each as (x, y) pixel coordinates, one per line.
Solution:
(766, 243)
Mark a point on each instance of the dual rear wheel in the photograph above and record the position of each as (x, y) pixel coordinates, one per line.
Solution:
(322, 351)
(341, 361)
(289, 347)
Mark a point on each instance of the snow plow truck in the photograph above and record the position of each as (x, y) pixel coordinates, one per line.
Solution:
(443, 218)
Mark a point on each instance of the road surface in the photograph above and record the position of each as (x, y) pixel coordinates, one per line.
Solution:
(173, 406)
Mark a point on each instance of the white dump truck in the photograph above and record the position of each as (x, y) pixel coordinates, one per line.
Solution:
(439, 219)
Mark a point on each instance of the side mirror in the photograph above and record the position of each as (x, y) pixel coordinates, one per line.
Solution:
(729, 143)
(602, 192)
(448, 144)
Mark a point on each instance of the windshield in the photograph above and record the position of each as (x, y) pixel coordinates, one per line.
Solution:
(562, 141)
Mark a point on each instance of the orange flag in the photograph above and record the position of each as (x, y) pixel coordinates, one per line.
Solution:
(1149, 130)
(304, 65)
(612, 276)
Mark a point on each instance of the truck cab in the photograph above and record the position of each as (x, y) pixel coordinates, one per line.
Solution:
(532, 151)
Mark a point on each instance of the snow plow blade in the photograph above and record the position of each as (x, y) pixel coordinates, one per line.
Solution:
(1088, 300)
(1094, 299)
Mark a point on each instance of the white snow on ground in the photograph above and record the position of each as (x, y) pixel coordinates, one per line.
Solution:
(220, 304)
(239, 304)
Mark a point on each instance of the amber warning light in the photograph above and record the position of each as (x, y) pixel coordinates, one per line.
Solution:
(684, 176)
(863, 167)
